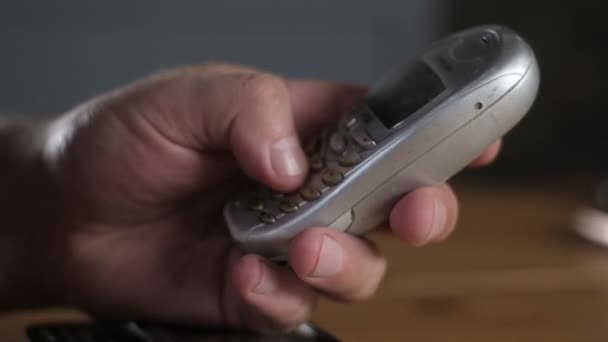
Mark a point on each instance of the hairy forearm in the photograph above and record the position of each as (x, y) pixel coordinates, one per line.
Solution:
(29, 212)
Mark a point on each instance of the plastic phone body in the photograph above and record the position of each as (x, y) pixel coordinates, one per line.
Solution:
(421, 124)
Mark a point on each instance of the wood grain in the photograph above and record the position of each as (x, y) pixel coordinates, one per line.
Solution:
(513, 271)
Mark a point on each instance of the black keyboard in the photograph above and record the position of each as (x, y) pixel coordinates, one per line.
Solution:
(130, 331)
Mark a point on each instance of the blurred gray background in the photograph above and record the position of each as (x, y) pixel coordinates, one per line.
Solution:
(54, 54)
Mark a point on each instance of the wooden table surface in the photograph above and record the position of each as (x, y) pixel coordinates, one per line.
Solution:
(513, 271)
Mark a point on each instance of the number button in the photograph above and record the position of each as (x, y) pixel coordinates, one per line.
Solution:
(316, 163)
(288, 206)
(337, 143)
(310, 193)
(350, 121)
(277, 195)
(362, 139)
(266, 217)
(349, 159)
(331, 177)
(256, 203)
(313, 145)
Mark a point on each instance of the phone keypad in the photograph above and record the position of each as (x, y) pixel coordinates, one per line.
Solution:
(332, 155)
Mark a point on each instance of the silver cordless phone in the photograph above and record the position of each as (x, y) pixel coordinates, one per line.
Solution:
(421, 124)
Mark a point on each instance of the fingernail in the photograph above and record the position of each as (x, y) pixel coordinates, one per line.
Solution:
(267, 282)
(439, 217)
(287, 158)
(331, 258)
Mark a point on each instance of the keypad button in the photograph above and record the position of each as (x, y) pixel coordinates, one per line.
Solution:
(337, 142)
(331, 177)
(276, 195)
(363, 139)
(350, 121)
(316, 163)
(313, 145)
(255, 203)
(310, 193)
(48, 336)
(266, 217)
(349, 159)
(288, 206)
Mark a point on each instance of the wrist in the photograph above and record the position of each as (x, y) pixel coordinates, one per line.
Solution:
(31, 209)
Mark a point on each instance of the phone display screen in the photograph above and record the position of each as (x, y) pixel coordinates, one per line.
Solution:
(403, 94)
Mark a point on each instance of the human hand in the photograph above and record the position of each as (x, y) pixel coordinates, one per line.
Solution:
(145, 170)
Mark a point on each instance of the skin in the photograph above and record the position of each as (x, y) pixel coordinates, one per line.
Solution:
(123, 217)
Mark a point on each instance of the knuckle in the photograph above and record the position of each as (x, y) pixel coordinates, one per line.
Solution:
(261, 89)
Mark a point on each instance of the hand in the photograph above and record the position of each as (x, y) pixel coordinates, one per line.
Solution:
(144, 172)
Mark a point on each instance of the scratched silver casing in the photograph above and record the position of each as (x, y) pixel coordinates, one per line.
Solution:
(486, 96)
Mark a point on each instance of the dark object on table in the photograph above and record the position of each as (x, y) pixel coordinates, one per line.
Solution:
(130, 331)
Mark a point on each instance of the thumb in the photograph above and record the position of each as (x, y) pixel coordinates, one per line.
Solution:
(262, 133)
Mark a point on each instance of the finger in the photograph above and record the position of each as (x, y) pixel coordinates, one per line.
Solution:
(281, 301)
(488, 156)
(315, 103)
(221, 107)
(230, 108)
(262, 133)
(344, 266)
(425, 215)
